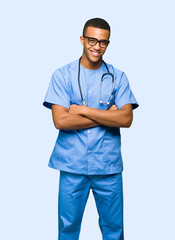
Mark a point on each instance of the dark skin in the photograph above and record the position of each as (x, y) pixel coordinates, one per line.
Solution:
(82, 117)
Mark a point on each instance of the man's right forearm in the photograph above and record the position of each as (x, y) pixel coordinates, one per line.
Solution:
(70, 121)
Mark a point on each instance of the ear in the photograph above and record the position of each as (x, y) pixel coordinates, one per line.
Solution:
(82, 40)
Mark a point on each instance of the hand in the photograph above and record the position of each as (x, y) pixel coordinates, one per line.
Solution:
(76, 109)
(113, 107)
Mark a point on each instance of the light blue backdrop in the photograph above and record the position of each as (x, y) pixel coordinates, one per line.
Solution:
(36, 38)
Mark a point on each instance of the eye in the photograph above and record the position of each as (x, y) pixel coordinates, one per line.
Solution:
(104, 43)
(92, 40)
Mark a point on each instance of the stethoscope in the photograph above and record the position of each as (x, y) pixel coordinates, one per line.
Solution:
(108, 73)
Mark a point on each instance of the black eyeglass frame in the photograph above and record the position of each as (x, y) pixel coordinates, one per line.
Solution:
(102, 40)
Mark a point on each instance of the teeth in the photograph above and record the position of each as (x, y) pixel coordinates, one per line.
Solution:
(95, 53)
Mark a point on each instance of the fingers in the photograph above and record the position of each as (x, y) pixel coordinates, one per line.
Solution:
(75, 109)
(113, 107)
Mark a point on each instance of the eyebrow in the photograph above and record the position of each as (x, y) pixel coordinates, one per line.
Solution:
(100, 39)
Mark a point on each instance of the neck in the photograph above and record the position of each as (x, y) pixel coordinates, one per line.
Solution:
(90, 65)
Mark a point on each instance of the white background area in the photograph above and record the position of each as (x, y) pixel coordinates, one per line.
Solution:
(36, 38)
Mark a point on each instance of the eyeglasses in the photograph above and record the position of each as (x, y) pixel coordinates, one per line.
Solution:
(93, 41)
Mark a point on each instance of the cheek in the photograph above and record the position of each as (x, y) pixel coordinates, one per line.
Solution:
(86, 49)
(103, 51)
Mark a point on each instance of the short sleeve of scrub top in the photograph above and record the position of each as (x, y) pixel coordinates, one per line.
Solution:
(57, 92)
(124, 93)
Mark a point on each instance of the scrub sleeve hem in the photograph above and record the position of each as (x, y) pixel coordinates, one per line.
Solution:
(134, 105)
(49, 104)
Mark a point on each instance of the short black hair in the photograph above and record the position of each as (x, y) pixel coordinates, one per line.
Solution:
(97, 23)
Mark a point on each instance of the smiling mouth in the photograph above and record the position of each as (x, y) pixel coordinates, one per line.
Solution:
(96, 54)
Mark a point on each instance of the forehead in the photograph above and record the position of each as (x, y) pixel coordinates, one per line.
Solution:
(97, 33)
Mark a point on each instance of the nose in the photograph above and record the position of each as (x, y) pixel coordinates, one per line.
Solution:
(97, 46)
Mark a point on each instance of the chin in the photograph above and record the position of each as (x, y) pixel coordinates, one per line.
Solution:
(95, 59)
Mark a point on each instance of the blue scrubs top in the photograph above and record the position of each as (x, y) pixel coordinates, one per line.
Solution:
(92, 151)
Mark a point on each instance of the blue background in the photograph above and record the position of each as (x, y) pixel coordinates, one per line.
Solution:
(36, 38)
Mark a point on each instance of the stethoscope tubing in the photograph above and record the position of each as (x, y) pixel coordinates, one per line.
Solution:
(108, 73)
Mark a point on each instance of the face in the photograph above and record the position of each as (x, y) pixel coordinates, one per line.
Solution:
(94, 53)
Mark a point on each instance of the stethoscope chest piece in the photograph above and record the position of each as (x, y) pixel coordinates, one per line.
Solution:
(104, 102)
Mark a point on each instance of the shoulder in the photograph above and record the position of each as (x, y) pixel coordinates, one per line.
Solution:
(63, 73)
(67, 69)
(115, 71)
(119, 75)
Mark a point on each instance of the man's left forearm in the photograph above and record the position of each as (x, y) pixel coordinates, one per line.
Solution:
(116, 118)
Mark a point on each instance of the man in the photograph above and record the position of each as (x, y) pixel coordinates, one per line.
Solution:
(90, 101)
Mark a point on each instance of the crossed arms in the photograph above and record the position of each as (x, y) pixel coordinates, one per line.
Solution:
(82, 117)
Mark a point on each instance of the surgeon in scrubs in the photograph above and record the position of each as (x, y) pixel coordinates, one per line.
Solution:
(90, 101)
